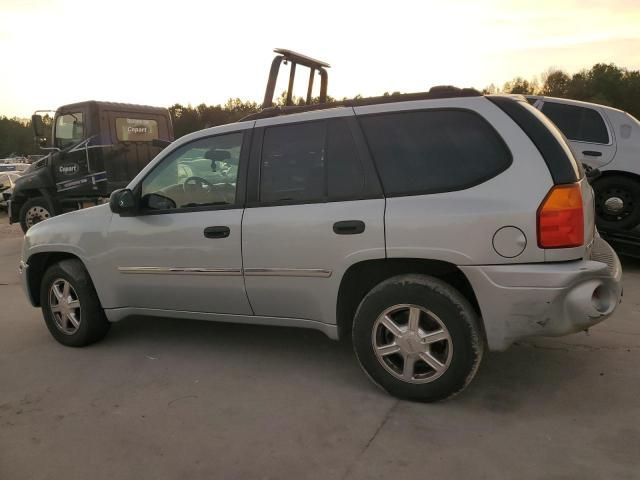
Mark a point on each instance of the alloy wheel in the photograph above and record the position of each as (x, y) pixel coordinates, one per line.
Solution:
(412, 343)
(65, 306)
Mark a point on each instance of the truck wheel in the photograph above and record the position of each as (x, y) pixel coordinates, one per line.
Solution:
(34, 211)
(70, 305)
(418, 338)
(617, 203)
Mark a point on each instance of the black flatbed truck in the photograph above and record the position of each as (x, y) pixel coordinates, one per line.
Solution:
(96, 148)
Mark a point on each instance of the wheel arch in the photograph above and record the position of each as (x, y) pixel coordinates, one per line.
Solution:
(617, 173)
(361, 277)
(38, 264)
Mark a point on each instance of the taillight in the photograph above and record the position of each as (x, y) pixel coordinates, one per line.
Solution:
(561, 218)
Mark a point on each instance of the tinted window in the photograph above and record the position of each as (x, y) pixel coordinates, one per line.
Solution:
(293, 163)
(345, 171)
(577, 123)
(434, 151)
(199, 173)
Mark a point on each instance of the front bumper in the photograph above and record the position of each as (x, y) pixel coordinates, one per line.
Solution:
(546, 299)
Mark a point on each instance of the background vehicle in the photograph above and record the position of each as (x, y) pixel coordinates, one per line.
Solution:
(607, 139)
(96, 148)
(424, 227)
(7, 181)
(14, 167)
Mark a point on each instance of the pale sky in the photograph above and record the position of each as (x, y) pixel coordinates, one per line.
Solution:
(54, 52)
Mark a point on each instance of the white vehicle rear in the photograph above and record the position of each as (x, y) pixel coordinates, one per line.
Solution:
(607, 139)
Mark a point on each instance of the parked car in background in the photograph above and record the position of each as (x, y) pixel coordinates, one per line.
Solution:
(7, 181)
(13, 167)
(607, 139)
(422, 227)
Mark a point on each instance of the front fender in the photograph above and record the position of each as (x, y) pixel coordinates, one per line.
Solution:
(80, 234)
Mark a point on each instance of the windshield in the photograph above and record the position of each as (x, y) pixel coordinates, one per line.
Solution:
(69, 129)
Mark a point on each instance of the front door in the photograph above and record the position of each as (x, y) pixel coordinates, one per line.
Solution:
(183, 251)
(72, 166)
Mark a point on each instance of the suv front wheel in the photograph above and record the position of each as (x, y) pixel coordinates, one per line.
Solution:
(70, 305)
(418, 338)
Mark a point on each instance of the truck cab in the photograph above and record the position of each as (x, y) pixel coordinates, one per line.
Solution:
(94, 149)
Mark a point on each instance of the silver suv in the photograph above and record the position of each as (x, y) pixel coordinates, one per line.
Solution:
(425, 228)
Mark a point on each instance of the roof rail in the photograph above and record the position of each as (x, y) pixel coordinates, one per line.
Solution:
(294, 58)
(442, 91)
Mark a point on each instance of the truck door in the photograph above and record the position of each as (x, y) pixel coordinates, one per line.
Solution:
(586, 129)
(314, 210)
(71, 167)
(132, 134)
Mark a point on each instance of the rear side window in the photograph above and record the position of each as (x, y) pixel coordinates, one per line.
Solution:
(577, 123)
(434, 151)
(310, 162)
(136, 129)
(293, 163)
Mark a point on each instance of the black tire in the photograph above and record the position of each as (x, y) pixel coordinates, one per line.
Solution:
(92, 323)
(42, 205)
(626, 189)
(454, 312)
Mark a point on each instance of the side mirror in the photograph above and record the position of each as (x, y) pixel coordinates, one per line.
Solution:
(38, 126)
(122, 201)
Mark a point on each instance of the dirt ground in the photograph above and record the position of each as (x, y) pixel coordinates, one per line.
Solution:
(172, 399)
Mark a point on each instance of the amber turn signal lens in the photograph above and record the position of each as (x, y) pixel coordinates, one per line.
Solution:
(561, 218)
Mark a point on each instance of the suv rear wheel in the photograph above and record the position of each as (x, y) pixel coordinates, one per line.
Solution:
(418, 338)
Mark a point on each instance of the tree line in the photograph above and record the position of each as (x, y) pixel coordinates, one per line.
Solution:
(606, 84)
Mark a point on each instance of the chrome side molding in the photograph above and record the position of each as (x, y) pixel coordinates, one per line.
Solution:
(261, 272)
(287, 272)
(180, 271)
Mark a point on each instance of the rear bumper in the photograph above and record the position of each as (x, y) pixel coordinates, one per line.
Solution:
(546, 299)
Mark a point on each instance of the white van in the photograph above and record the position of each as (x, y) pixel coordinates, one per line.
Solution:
(608, 139)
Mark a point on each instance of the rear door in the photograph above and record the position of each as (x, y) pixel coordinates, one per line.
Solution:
(315, 207)
(586, 129)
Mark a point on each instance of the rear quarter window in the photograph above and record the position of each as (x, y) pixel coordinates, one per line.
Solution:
(434, 151)
(136, 129)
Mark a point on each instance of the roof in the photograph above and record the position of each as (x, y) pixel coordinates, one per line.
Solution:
(444, 91)
(578, 103)
(115, 106)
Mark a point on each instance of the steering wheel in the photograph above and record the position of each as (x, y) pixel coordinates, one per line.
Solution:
(192, 183)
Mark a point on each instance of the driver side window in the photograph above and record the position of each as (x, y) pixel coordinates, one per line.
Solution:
(200, 173)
